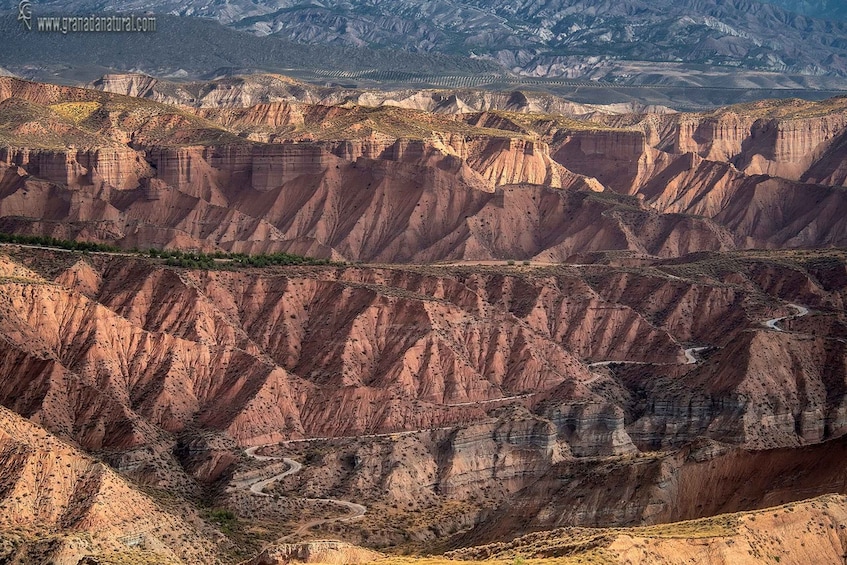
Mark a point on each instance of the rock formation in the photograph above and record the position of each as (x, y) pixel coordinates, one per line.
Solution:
(638, 355)
(330, 552)
(168, 370)
(400, 185)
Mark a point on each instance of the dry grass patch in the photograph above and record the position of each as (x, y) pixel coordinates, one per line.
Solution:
(76, 111)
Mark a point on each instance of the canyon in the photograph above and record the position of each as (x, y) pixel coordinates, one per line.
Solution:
(392, 184)
(534, 318)
(439, 397)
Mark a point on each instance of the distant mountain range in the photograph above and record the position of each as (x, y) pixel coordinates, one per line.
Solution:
(623, 41)
(823, 9)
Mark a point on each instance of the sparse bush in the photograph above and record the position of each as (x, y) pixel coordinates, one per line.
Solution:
(224, 518)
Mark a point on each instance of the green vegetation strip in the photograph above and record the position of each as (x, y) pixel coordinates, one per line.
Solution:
(173, 258)
(57, 243)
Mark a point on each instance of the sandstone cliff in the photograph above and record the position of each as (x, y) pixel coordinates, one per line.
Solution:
(400, 185)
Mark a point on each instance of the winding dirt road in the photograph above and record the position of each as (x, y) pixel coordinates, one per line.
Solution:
(690, 353)
(493, 400)
(772, 323)
(257, 485)
(690, 359)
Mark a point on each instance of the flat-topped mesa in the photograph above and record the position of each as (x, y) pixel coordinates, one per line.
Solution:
(118, 167)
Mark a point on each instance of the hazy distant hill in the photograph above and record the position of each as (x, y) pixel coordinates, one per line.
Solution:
(196, 46)
(824, 9)
(621, 40)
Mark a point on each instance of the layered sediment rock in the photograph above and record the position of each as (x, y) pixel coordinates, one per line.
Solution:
(389, 184)
(509, 452)
(591, 429)
(776, 138)
(618, 159)
(117, 167)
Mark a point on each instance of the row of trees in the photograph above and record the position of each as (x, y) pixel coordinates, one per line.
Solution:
(58, 243)
(174, 258)
(220, 259)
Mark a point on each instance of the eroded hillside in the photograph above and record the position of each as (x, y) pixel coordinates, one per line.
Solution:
(504, 383)
(394, 184)
(530, 321)
(61, 506)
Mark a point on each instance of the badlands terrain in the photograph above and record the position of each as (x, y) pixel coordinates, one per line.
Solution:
(390, 183)
(543, 331)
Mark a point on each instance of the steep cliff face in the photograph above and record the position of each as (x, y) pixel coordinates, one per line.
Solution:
(115, 167)
(830, 166)
(671, 487)
(508, 452)
(786, 148)
(775, 138)
(718, 139)
(618, 159)
(392, 184)
(282, 197)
